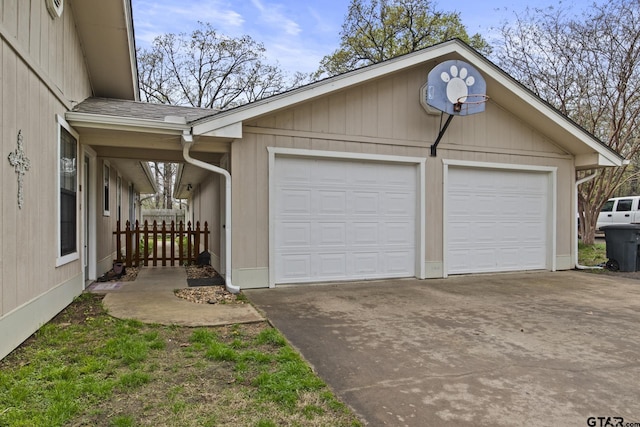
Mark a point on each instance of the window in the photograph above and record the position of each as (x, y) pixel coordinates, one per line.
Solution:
(608, 206)
(624, 205)
(68, 194)
(106, 176)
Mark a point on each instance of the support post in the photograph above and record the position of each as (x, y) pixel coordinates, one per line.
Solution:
(440, 135)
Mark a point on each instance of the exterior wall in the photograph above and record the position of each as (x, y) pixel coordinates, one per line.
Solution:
(206, 207)
(42, 69)
(106, 251)
(383, 117)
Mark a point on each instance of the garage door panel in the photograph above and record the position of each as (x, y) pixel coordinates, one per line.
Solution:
(331, 174)
(510, 257)
(399, 203)
(398, 233)
(294, 267)
(481, 232)
(365, 203)
(331, 202)
(365, 263)
(294, 235)
(330, 234)
(295, 201)
(496, 220)
(365, 234)
(398, 262)
(292, 172)
(332, 264)
(362, 216)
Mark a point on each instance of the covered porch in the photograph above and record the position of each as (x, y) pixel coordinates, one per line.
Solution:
(118, 138)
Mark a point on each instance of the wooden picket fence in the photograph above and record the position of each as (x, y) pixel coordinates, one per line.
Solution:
(160, 243)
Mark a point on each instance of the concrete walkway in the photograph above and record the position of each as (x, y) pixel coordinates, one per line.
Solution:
(150, 299)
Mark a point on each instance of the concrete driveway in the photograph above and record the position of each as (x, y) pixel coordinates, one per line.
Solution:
(523, 349)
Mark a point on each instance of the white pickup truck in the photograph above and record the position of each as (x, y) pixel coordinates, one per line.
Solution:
(619, 210)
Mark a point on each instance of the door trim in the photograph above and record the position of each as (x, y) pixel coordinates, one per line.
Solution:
(89, 228)
(420, 162)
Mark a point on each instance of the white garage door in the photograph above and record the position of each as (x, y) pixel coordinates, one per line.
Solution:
(343, 220)
(497, 220)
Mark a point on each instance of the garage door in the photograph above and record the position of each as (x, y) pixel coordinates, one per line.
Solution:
(343, 220)
(497, 220)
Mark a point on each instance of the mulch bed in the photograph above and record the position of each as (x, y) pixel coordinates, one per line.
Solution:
(206, 286)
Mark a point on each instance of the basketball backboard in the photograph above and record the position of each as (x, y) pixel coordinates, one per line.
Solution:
(456, 88)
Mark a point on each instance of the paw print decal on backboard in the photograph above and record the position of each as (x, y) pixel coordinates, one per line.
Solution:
(455, 87)
(458, 83)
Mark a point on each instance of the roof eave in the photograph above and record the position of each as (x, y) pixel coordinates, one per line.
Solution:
(98, 121)
(106, 33)
(580, 143)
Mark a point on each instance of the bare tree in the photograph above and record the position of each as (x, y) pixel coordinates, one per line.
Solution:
(207, 69)
(377, 30)
(587, 66)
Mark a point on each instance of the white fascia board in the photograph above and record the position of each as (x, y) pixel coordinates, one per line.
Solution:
(132, 49)
(321, 88)
(233, 130)
(98, 121)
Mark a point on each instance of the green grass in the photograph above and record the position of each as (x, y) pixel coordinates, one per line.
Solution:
(591, 255)
(87, 368)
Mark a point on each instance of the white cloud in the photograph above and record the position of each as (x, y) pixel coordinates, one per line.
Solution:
(272, 14)
(157, 17)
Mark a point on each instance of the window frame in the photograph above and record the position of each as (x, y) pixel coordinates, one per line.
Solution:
(623, 204)
(75, 255)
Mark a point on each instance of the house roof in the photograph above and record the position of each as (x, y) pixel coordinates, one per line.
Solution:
(105, 29)
(142, 110)
(588, 150)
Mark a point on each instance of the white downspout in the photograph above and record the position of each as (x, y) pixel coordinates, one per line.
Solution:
(575, 227)
(187, 142)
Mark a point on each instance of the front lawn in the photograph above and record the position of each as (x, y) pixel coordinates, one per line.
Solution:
(86, 368)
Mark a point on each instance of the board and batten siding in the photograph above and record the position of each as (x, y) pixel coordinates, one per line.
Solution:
(206, 208)
(385, 117)
(42, 69)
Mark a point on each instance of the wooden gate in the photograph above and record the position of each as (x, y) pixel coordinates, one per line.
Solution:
(160, 243)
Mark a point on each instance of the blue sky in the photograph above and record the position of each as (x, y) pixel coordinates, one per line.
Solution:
(296, 34)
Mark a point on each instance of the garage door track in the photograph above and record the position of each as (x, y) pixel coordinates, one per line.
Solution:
(543, 349)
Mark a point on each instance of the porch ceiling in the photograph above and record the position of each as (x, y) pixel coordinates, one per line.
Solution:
(128, 151)
(134, 171)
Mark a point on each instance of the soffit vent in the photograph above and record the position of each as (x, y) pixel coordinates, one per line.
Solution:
(55, 7)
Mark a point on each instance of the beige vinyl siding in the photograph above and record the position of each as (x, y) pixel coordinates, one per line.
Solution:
(105, 225)
(385, 117)
(206, 208)
(42, 69)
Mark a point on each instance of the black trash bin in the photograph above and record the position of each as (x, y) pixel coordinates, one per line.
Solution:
(622, 246)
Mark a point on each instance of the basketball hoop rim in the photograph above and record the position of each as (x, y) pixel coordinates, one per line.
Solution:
(483, 98)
